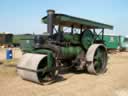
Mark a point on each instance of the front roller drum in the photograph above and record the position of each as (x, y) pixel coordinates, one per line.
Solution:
(96, 59)
(32, 67)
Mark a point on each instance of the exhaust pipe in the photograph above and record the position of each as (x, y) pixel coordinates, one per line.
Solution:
(50, 19)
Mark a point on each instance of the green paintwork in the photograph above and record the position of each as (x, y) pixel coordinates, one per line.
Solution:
(66, 20)
(123, 42)
(49, 54)
(26, 44)
(111, 41)
(70, 52)
(87, 39)
(75, 38)
(68, 37)
(98, 59)
(17, 38)
(66, 52)
(114, 42)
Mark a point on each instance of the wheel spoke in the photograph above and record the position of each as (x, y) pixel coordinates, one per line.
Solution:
(98, 60)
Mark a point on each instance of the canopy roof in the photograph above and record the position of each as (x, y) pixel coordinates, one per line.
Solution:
(66, 20)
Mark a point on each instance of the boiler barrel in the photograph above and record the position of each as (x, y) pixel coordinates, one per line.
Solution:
(70, 52)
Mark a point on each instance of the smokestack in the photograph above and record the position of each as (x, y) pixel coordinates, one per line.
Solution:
(50, 20)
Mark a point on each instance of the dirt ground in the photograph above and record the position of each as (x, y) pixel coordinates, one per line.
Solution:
(113, 83)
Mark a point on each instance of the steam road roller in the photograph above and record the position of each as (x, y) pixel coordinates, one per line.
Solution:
(70, 42)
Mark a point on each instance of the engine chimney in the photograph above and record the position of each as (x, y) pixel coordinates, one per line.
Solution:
(50, 20)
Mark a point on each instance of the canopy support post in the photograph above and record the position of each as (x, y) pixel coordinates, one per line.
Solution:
(103, 34)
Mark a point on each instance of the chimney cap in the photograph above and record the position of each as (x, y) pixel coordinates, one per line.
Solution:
(50, 11)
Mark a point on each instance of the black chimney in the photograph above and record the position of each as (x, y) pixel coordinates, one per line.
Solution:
(50, 20)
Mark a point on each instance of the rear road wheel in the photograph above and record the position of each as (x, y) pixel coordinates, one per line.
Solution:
(97, 59)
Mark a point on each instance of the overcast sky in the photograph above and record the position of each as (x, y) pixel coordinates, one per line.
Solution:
(24, 16)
